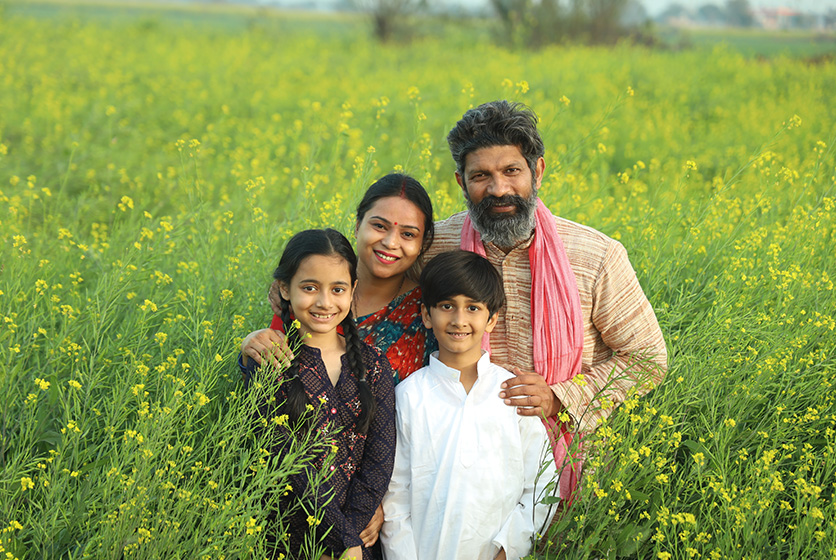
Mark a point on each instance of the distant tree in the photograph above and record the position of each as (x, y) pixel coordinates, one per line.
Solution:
(739, 13)
(674, 11)
(634, 14)
(711, 14)
(604, 20)
(389, 16)
(534, 23)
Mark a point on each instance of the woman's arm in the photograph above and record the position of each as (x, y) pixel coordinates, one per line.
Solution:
(265, 344)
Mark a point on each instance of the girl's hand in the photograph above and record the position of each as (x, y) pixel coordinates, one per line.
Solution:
(372, 530)
(266, 344)
(353, 553)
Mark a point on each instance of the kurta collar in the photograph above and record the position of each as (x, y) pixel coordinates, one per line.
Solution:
(437, 367)
(522, 246)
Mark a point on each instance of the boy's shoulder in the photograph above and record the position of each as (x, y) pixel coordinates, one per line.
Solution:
(412, 382)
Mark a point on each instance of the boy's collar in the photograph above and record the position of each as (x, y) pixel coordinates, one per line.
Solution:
(439, 368)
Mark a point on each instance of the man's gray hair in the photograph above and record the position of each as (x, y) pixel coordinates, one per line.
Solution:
(497, 123)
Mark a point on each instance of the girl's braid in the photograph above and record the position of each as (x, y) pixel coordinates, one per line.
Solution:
(354, 355)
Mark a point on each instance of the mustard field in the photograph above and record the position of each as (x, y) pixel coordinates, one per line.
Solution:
(151, 169)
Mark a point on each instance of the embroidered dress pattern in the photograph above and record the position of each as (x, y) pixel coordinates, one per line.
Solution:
(362, 463)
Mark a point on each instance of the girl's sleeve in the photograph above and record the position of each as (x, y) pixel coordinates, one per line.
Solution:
(369, 483)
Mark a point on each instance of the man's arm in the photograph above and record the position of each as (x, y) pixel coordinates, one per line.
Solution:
(627, 325)
(624, 319)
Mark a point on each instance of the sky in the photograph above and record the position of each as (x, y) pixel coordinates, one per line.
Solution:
(654, 7)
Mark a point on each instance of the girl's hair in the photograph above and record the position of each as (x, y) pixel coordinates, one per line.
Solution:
(402, 186)
(325, 242)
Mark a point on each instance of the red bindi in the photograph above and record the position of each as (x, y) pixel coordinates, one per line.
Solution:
(396, 223)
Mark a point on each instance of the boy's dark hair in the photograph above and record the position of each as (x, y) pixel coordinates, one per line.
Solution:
(461, 273)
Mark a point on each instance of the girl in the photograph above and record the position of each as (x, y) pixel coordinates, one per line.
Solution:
(348, 383)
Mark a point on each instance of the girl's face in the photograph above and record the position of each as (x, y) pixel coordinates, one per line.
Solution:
(390, 237)
(320, 295)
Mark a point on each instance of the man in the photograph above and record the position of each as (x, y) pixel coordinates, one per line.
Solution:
(576, 348)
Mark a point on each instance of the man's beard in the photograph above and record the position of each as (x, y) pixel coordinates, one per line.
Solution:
(504, 229)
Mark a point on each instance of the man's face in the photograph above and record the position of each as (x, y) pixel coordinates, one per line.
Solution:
(501, 193)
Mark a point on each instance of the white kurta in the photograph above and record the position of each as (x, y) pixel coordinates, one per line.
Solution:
(467, 478)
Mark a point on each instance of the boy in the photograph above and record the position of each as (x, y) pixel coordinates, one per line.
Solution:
(467, 482)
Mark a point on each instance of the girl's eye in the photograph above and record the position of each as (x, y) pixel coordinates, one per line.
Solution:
(339, 290)
(308, 288)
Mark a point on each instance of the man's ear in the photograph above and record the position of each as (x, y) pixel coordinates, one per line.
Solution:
(425, 316)
(492, 322)
(539, 170)
(460, 181)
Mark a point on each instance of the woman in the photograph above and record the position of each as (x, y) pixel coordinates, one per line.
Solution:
(394, 228)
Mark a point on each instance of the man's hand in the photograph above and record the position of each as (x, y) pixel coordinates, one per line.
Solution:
(372, 530)
(266, 344)
(500, 555)
(530, 393)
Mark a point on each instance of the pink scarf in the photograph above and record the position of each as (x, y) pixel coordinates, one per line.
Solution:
(556, 322)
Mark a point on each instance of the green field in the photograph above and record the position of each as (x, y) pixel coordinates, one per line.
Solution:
(153, 163)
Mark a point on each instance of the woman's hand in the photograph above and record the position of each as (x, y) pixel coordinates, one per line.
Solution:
(266, 344)
(372, 530)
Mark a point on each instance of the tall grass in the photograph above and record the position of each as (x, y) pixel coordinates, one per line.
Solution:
(150, 174)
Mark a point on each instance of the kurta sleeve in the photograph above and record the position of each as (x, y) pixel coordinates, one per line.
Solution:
(369, 483)
(627, 325)
(396, 536)
(540, 480)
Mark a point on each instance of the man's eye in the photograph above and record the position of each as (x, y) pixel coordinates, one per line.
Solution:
(446, 306)
(473, 308)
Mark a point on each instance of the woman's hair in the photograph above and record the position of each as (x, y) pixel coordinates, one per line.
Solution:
(462, 273)
(401, 186)
(325, 242)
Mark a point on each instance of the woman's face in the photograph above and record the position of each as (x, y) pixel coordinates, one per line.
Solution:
(390, 237)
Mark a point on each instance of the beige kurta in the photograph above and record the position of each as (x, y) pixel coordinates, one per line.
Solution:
(623, 345)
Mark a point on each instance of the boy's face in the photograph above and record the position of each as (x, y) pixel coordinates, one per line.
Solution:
(458, 324)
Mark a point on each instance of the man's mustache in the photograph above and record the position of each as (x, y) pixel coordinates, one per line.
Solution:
(507, 200)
